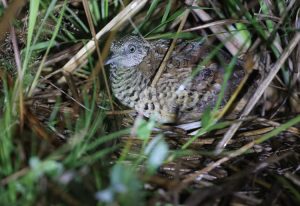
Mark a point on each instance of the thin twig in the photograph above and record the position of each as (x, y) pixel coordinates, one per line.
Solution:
(122, 112)
(65, 93)
(293, 130)
(9, 15)
(14, 42)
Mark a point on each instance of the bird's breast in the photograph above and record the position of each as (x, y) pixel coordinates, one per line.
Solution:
(127, 85)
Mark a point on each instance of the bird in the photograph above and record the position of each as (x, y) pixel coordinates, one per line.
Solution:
(179, 96)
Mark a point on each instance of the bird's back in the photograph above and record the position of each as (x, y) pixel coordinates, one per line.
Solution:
(182, 94)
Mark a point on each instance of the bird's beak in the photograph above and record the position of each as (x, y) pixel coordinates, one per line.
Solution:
(111, 59)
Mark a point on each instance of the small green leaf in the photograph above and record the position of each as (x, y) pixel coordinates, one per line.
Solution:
(39, 167)
(144, 128)
(124, 185)
(206, 118)
(157, 150)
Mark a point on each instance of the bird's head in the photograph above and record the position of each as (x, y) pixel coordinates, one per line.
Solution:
(127, 52)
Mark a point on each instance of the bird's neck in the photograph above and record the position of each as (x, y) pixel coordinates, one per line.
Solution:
(127, 84)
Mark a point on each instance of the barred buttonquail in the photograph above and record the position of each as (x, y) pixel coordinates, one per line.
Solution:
(176, 97)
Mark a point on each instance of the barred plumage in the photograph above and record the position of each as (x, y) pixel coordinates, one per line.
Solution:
(176, 97)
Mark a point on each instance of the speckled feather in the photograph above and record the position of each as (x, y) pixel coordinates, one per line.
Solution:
(176, 97)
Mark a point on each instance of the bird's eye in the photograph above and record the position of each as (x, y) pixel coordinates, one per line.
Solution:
(131, 48)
